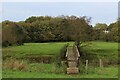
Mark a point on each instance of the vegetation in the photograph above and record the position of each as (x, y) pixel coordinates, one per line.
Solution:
(47, 29)
(94, 50)
(61, 28)
(107, 51)
(12, 34)
(109, 72)
(42, 41)
(37, 52)
(106, 33)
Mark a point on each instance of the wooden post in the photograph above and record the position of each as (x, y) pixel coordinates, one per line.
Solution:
(86, 67)
(101, 63)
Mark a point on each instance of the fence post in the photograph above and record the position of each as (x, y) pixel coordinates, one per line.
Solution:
(101, 63)
(86, 67)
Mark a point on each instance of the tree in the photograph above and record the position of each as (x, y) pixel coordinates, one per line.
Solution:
(113, 31)
(11, 34)
(100, 32)
(46, 29)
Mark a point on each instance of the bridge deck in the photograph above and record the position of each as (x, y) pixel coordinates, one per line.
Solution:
(71, 55)
(72, 60)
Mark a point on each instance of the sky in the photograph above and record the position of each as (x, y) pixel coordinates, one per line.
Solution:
(100, 12)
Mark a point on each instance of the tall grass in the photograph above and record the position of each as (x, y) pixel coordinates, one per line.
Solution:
(15, 64)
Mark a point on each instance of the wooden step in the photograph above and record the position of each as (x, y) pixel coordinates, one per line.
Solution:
(72, 64)
(72, 70)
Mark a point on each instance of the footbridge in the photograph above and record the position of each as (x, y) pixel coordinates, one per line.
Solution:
(72, 57)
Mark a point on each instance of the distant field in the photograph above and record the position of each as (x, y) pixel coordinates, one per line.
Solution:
(107, 51)
(34, 49)
(104, 50)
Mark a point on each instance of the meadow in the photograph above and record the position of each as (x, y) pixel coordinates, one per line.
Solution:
(107, 51)
(52, 48)
(93, 51)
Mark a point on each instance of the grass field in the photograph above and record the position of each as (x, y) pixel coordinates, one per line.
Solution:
(108, 72)
(107, 51)
(34, 49)
(104, 50)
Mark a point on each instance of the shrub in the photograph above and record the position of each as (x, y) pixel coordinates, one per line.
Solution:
(61, 57)
(12, 34)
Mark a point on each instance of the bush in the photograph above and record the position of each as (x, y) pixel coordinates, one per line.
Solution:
(61, 69)
(12, 34)
(81, 66)
(61, 57)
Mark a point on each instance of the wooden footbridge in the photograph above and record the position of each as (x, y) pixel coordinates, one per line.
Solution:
(72, 56)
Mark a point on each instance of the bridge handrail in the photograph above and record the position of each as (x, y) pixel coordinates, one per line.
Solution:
(75, 49)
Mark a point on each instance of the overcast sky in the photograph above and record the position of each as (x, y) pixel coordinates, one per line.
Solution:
(103, 12)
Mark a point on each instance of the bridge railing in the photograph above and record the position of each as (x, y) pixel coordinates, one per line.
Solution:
(75, 49)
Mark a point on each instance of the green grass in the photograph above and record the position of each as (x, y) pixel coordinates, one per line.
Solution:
(41, 67)
(34, 49)
(105, 50)
(107, 72)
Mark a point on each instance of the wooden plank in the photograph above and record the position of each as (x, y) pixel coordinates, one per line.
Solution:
(86, 67)
(67, 53)
(72, 64)
(72, 70)
(70, 55)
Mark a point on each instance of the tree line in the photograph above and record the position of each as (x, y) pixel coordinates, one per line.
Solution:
(53, 29)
